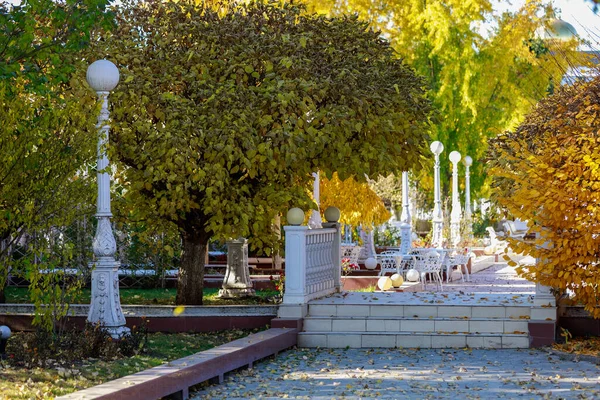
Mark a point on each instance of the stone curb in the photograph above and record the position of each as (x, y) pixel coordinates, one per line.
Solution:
(174, 379)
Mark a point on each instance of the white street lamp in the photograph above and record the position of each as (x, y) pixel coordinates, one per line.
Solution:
(405, 218)
(438, 217)
(455, 214)
(314, 221)
(468, 214)
(105, 307)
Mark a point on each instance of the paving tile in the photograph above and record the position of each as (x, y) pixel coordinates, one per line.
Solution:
(317, 324)
(515, 342)
(454, 311)
(475, 342)
(488, 312)
(312, 340)
(420, 311)
(342, 341)
(417, 325)
(451, 326)
(353, 310)
(386, 341)
(349, 325)
(486, 326)
(516, 326)
(492, 342)
(384, 310)
(413, 341)
(448, 341)
(322, 310)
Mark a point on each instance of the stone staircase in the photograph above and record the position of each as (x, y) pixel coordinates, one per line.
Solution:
(425, 320)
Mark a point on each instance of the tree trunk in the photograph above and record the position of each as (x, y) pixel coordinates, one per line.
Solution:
(190, 282)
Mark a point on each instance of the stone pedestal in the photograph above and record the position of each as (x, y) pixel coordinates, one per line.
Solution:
(105, 307)
(237, 281)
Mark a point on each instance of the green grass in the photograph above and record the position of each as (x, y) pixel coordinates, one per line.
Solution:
(150, 296)
(45, 383)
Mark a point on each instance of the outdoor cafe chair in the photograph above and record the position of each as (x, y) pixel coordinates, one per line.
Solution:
(429, 263)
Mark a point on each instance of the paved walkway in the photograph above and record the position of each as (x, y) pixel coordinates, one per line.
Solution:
(420, 374)
(495, 277)
(411, 374)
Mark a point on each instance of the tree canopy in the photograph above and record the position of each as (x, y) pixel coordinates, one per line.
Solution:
(47, 134)
(481, 83)
(548, 172)
(221, 117)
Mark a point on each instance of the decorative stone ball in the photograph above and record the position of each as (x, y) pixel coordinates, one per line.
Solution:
(412, 275)
(397, 280)
(332, 214)
(370, 263)
(384, 283)
(102, 76)
(4, 332)
(295, 216)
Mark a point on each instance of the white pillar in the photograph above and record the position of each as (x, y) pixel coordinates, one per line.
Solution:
(105, 307)
(438, 217)
(455, 214)
(315, 222)
(405, 218)
(468, 214)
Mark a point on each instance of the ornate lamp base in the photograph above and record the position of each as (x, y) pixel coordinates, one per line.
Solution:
(105, 307)
(237, 281)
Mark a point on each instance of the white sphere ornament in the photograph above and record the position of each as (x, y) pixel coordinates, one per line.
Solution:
(468, 161)
(102, 76)
(412, 275)
(397, 280)
(370, 263)
(436, 147)
(332, 214)
(4, 332)
(384, 283)
(295, 216)
(454, 156)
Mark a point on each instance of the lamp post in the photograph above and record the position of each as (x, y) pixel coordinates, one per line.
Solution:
(405, 218)
(105, 307)
(468, 214)
(456, 212)
(314, 221)
(438, 218)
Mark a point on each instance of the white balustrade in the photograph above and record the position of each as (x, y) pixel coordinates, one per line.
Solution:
(312, 266)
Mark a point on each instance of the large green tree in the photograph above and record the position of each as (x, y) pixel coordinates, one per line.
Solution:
(485, 70)
(222, 116)
(47, 134)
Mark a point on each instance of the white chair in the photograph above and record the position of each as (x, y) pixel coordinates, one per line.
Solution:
(459, 261)
(429, 263)
(387, 262)
(512, 231)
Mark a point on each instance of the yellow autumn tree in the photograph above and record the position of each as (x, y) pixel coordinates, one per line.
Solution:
(548, 172)
(358, 203)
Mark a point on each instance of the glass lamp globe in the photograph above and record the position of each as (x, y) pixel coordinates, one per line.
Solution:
(468, 161)
(454, 157)
(102, 76)
(436, 147)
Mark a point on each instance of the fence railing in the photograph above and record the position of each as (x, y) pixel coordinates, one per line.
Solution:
(312, 263)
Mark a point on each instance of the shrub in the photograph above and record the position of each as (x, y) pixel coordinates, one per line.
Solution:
(548, 172)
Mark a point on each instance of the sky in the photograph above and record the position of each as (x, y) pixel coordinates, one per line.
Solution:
(576, 12)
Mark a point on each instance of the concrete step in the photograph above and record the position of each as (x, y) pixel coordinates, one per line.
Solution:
(422, 325)
(412, 340)
(419, 311)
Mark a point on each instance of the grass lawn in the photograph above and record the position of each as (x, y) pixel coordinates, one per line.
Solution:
(151, 296)
(39, 383)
